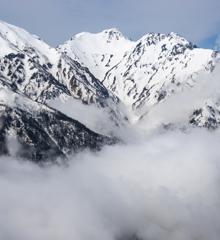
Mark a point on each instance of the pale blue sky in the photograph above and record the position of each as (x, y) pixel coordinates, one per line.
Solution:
(56, 21)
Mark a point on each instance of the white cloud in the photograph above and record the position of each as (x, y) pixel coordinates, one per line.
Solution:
(96, 119)
(165, 187)
(179, 107)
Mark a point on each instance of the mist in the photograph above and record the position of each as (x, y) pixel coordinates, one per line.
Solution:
(152, 187)
(161, 187)
(96, 119)
(177, 108)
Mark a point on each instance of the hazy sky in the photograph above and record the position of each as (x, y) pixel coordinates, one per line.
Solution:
(56, 21)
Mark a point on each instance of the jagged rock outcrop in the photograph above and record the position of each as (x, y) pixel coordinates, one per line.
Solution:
(41, 132)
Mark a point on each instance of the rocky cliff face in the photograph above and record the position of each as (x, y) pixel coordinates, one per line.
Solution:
(40, 132)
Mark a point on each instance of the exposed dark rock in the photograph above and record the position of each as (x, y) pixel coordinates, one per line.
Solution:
(43, 133)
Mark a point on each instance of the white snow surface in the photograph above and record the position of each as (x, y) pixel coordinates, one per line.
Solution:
(99, 52)
(22, 40)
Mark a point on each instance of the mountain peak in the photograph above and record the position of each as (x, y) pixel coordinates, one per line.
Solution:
(114, 34)
(170, 39)
(112, 30)
(108, 34)
(173, 34)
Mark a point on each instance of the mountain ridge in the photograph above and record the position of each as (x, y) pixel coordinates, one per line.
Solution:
(148, 71)
(106, 70)
(44, 73)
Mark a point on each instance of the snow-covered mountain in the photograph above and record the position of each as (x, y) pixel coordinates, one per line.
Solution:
(145, 73)
(106, 70)
(42, 72)
(157, 66)
(32, 73)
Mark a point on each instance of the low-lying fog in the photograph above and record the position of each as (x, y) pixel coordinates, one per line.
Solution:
(163, 187)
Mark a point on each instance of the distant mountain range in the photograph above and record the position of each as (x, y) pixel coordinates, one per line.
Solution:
(107, 70)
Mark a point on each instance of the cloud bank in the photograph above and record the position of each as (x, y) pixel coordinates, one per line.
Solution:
(163, 187)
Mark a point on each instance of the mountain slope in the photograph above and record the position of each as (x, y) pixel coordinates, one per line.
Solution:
(158, 66)
(39, 131)
(99, 52)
